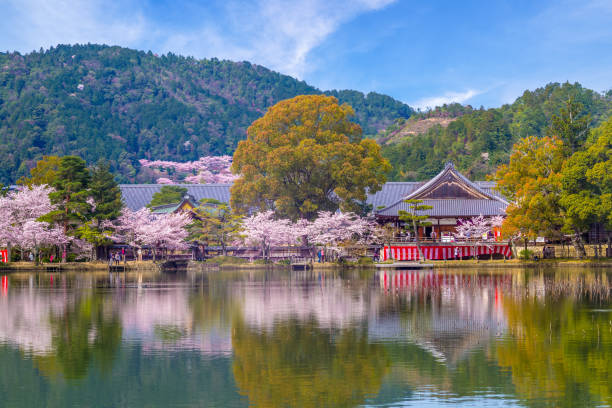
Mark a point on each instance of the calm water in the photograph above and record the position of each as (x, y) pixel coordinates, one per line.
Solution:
(273, 339)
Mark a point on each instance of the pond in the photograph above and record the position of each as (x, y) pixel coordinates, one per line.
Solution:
(540, 337)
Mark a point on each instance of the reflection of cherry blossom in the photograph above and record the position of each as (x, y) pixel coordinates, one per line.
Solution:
(206, 170)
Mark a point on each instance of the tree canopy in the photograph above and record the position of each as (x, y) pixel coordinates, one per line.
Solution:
(586, 194)
(304, 156)
(168, 195)
(532, 183)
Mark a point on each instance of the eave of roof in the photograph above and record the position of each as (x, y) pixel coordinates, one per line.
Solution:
(451, 207)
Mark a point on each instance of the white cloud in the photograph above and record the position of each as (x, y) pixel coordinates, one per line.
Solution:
(278, 34)
(448, 97)
(43, 23)
(274, 33)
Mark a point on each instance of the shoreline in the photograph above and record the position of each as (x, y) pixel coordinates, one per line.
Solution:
(132, 266)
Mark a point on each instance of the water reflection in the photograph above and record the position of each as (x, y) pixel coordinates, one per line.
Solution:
(308, 339)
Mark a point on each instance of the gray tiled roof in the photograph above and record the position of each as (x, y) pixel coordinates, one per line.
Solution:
(136, 196)
(489, 188)
(392, 192)
(485, 202)
(455, 207)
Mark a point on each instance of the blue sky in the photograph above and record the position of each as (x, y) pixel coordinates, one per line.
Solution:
(422, 53)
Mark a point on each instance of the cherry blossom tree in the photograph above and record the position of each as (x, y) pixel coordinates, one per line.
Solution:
(473, 229)
(142, 228)
(206, 170)
(19, 212)
(331, 229)
(328, 229)
(263, 230)
(35, 235)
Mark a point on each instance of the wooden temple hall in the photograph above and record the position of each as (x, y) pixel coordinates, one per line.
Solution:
(453, 198)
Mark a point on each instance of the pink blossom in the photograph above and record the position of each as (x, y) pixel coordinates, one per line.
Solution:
(206, 170)
(19, 212)
(473, 228)
(143, 228)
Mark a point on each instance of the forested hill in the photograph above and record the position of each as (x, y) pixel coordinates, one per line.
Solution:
(116, 103)
(478, 140)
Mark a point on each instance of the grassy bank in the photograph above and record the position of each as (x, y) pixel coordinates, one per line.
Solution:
(74, 266)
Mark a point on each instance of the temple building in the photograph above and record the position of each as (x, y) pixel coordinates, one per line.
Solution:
(450, 194)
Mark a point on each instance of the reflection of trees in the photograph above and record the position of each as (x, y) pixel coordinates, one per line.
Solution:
(212, 306)
(84, 333)
(558, 352)
(300, 364)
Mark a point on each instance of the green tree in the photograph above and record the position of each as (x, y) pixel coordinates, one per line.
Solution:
(413, 220)
(214, 223)
(71, 195)
(586, 195)
(532, 183)
(45, 172)
(571, 125)
(306, 156)
(107, 206)
(168, 195)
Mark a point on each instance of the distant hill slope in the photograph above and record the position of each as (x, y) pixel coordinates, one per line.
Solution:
(116, 103)
(477, 141)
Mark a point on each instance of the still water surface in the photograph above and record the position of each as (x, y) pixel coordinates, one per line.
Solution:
(274, 339)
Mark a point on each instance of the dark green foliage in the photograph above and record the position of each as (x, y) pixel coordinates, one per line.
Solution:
(71, 193)
(105, 193)
(374, 111)
(479, 140)
(168, 195)
(124, 105)
(571, 125)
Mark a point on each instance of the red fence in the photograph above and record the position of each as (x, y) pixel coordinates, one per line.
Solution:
(439, 252)
(3, 255)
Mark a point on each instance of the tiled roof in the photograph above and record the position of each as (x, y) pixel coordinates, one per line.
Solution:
(136, 196)
(452, 208)
(485, 200)
(392, 192)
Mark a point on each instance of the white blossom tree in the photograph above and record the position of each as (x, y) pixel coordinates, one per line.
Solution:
(142, 228)
(206, 170)
(473, 230)
(264, 231)
(19, 225)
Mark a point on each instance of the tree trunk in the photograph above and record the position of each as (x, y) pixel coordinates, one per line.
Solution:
(578, 245)
(9, 252)
(418, 243)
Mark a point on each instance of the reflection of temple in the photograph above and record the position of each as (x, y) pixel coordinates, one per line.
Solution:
(456, 313)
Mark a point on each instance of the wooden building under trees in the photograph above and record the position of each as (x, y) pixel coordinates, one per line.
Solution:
(452, 197)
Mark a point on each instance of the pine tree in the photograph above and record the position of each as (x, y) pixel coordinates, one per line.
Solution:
(107, 205)
(71, 195)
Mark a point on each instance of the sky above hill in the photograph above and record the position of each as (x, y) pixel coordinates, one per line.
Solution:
(422, 53)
